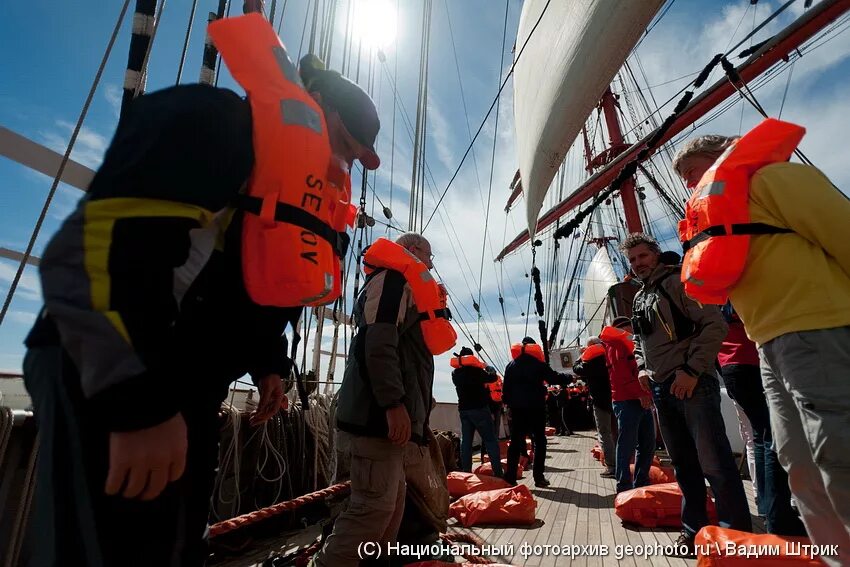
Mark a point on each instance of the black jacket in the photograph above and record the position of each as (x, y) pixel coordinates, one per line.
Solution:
(525, 382)
(595, 374)
(470, 385)
(180, 324)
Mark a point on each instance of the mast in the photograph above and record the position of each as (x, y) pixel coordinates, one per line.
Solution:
(617, 145)
(772, 51)
(143, 25)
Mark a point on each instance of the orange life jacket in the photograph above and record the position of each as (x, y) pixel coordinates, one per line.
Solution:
(536, 351)
(716, 230)
(495, 390)
(429, 296)
(592, 352)
(613, 334)
(298, 200)
(467, 360)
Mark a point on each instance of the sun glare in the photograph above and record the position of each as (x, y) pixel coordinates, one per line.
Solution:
(374, 23)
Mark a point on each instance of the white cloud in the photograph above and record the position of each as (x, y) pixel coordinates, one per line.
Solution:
(23, 317)
(29, 286)
(113, 95)
(88, 148)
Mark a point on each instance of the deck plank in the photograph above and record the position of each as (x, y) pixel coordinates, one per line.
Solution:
(578, 509)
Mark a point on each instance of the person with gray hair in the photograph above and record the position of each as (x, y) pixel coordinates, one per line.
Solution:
(793, 296)
(698, 154)
(676, 344)
(384, 402)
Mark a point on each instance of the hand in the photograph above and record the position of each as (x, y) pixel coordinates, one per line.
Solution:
(398, 424)
(645, 402)
(683, 385)
(271, 398)
(143, 462)
(643, 378)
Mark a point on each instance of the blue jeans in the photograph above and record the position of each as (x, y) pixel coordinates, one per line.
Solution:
(743, 384)
(481, 420)
(636, 430)
(695, 437)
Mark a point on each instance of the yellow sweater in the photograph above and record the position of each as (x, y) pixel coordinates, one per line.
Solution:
(798, 281)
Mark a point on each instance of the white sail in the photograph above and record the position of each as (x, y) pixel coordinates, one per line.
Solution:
(571, 58)
(599, 277)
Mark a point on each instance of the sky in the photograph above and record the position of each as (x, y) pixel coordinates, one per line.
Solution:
(49, 54)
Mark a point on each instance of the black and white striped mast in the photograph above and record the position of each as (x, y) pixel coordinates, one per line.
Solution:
(210, 52)
(144, 21)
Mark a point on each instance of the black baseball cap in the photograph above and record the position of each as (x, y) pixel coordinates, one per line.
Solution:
(354, 106)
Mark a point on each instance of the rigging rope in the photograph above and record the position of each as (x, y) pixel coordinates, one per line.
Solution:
(65, 158)
(186, 41)
(630, 168)
(486, 116)
(492, 166)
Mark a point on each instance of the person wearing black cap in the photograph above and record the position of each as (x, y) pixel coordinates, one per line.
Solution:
(525, 395)
(149, 320)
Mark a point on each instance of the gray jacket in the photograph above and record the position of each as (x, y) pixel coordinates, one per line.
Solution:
(672, 330)
(388, 363)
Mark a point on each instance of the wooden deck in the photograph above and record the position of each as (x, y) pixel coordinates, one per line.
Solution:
(578, 508)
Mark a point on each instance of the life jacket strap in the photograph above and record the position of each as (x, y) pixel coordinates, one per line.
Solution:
(290, 214)
(737, 230)
(444, 313)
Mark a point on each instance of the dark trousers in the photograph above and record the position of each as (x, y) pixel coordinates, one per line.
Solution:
(478, 419)
(743, 384)
(74, 522)
(636, 431)
(527, 422)
(695, 437)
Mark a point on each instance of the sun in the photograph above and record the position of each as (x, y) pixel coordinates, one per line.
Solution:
(374, 23)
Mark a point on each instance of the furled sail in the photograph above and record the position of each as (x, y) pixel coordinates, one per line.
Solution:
(598, 278)
(570, 60)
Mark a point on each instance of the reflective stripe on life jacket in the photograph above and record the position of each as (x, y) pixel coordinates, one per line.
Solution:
(429, 296)
(533, 349)
(298, 199)
(495, 390)
(467, 360)
(716, 230)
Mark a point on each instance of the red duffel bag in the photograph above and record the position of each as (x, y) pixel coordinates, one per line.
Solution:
(657, 505)
(487, 468)
(724, 547)
(463, 483)
(506, 506)
(550, 432)
(658, 475)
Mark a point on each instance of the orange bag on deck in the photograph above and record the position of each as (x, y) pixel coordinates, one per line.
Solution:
(658, 475)
(487, 468)
(550, 432)
(523, 461)
(463, 483)
(597, 453)
(511, 506)
(657, 505)
(713, 542)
